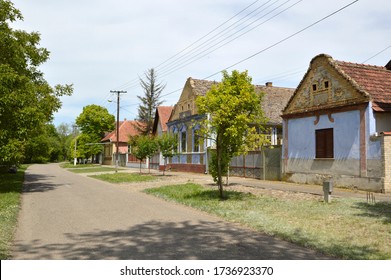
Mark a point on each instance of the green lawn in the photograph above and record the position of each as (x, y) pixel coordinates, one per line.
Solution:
(345, 228)
(10, 189)
(124, 177)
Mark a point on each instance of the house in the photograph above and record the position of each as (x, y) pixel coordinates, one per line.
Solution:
(127, 128)
(192, 153)
(162, 116)
(337, 126)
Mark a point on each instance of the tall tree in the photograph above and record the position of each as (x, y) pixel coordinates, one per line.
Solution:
(235, 113)
(150, 100)
(93, 122)
(27, 101)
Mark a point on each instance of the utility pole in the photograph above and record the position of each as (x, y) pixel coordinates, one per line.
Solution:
(75, 134)
(118, 92)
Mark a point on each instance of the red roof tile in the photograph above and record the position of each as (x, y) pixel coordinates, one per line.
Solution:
(126, 129)
(164, 114)
(374, 80)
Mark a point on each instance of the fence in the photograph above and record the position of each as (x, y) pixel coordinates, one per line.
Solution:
(264, 165)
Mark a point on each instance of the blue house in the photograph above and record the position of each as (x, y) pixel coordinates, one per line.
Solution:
(336, 126)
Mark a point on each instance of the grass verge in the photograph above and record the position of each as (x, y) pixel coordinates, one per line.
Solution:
(10, 189)
(124, 177)
(71, 165)
(92, 170)
(346, 228)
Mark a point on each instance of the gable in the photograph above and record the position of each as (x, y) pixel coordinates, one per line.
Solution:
(324, 86)
(185, 106)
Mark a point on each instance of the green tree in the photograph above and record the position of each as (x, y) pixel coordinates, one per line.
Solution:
(168, 145)
(27, 101)
(235, 114)
(65, 134)
(151, 99)
(44, 147)
(93, 122)
(143, 146)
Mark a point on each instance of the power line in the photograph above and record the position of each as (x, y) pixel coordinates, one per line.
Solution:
(218, 35)
(285, 39)
(277, 43)
(206, 35)
(382, 51)
(196, 50)
(224, 43)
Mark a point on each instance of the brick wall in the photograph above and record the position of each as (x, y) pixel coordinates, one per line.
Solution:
(386, 151)
(196, 168)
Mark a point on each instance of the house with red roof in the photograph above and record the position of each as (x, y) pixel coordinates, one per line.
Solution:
(162, 115)
(337, 126)
(127, 128)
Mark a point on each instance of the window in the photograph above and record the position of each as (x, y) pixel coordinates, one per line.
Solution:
(314, 87)
(324, 141)
(183, 141)
(326, 84)
(196, 141)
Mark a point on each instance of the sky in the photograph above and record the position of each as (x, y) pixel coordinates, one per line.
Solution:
(101, 46)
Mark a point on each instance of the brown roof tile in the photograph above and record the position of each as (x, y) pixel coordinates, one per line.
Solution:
(274, 101)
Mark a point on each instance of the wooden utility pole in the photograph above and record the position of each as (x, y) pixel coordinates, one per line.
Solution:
(118, 92)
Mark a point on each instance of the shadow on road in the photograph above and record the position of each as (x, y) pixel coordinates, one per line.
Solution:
(38, 183)
(157, 240)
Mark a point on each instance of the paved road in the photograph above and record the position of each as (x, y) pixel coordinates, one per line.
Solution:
(69, 216)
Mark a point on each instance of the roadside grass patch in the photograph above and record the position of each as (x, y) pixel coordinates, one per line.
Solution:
(10, 189)
(347, 228)
(124, 177)
(93, 169)
(71, 165)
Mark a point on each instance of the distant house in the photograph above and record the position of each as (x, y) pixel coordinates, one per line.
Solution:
(192, 153)
(127, 128)
(337, 126)
(162, 116)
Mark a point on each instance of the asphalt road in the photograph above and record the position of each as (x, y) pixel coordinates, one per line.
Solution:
(68, 216)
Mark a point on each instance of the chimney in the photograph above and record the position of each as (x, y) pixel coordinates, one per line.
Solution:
(388, 65)
(269, 84)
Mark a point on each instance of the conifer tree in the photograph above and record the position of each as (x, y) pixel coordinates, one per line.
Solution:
(151, 99)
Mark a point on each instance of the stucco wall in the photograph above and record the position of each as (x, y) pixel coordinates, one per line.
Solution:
(302, 166)
(346, 125)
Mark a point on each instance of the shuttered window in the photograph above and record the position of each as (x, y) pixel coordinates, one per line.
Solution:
(324, 143)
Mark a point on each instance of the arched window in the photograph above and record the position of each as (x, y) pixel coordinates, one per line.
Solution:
(183, 139)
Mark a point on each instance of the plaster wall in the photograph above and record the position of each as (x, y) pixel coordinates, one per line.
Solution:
(302, 166)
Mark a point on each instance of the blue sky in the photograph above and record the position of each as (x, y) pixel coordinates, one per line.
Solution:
(101, 45)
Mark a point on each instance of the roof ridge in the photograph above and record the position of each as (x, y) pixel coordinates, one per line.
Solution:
(362, 65)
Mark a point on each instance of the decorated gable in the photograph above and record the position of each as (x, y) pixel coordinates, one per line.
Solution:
(324, 86)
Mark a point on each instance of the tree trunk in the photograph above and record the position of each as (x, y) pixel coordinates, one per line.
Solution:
(140, 166)
(164, 168)
(219, 171)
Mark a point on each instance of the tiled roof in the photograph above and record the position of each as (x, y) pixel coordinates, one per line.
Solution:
(372, 80)
(164, 113)
(126, 129)
(201, 87)
(274, 101)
